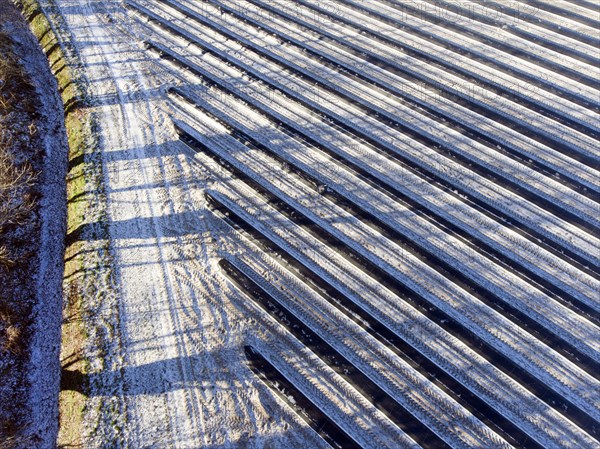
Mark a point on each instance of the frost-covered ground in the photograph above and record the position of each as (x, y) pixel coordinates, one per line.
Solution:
(394, 203)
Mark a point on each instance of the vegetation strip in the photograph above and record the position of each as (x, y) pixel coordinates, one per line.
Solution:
(23, 212)
(85, 258)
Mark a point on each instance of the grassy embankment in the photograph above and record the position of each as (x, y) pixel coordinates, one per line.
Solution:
(85, 253)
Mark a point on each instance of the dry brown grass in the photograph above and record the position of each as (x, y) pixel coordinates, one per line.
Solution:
(16, 200)
(16, 439)
(17, 181)
(10, 329)
(19, 228)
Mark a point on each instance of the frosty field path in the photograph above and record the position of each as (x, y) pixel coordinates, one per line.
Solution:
(385, 210)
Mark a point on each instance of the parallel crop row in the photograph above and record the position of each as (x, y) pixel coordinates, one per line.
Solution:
(412, 191)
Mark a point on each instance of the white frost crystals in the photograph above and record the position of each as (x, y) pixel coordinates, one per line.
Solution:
(366, 195)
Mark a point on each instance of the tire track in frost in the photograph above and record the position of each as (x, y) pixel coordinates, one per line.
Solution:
(170, 283)
(130, 90)
(375, 328)
(525, 230)
(208, 291)
(430, 310)
(336, 361)
(200, 287)
(343, 404)
(297, 401)
(311, 374)
(404, 48)
(487, 297)
(169, 267)
(188, 368)
(94, 32)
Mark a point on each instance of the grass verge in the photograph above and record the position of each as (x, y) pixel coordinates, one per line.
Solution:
(85, 211)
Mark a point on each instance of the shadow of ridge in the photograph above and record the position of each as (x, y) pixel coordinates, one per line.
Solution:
(291, 438)
(156, 378)
(151, 378)
(86, 232)
(175, 225)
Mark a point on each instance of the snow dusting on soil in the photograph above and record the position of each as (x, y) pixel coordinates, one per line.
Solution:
(394, 204)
